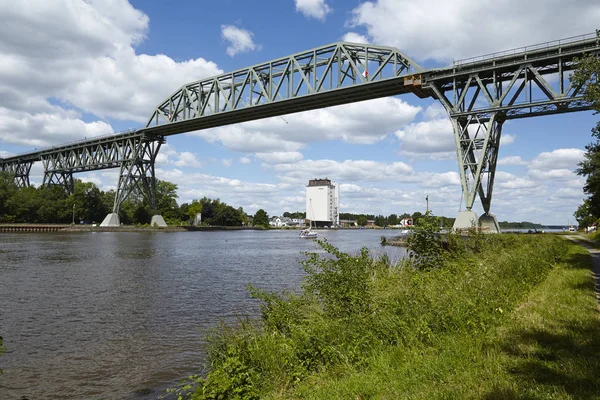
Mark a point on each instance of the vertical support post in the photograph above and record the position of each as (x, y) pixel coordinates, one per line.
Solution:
(137, 173)
(477, 145)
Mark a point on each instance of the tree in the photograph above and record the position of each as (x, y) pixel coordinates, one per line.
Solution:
(393, 219)
(416, 216)
(424, 244)
(166, 200)
(194, 209)
(586, 76)
(261, 218)
(362, 220)
(228, 216)
(584, 215)
(8, 188)
(87, 202)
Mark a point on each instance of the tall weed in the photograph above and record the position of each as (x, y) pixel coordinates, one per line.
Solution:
(352, 308)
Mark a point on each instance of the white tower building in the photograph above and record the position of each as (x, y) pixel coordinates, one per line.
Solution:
(323, 202)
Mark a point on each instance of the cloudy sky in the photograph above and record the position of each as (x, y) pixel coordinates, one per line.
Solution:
(72, 69)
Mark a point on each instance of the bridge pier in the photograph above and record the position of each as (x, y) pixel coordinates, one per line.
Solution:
(137, 174)
(477, 144)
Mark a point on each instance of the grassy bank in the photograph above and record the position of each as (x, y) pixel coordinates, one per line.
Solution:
(500, 316)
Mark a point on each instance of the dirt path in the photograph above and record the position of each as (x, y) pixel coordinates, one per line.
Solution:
(589, 245)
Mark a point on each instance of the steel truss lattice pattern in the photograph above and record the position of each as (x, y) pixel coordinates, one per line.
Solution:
(480, 94)
(19, 169)
(326, 76)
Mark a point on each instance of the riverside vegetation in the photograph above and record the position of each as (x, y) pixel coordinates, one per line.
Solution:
(490, 316)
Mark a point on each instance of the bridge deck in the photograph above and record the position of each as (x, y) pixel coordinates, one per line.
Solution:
(308, 92)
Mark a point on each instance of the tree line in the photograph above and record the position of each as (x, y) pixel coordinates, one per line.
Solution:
(89, 204)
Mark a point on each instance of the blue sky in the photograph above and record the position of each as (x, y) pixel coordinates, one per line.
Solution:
(73, 69)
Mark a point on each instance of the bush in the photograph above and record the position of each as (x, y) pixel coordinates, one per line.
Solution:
(424, 243)
(352, 308)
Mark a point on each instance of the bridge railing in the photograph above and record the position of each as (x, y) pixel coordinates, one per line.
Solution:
(574, 40)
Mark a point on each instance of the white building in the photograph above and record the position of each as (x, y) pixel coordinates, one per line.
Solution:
(323, 202)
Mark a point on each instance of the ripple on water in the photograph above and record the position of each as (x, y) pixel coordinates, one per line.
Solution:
(101, 315)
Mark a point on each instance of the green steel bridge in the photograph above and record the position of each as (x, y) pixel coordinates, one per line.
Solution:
(479, 94)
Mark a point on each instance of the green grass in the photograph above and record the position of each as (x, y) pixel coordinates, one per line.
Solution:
(502, 316)
(547, 348)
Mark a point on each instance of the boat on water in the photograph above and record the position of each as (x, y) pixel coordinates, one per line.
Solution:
(308, 234)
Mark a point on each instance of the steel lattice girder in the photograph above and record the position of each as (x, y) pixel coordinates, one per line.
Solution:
(19, 169)
(529, 83)
(64, 179)
(326, 76)
(91, 157)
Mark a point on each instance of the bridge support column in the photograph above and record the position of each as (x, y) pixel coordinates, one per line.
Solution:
(477, 144)
(137, 173)
(20, 171)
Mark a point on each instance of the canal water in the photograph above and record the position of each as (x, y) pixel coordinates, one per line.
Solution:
(101, 315)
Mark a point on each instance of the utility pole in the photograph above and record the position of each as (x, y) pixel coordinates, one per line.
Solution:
(73, 214)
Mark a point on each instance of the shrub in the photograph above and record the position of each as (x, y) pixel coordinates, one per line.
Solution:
(424, 243)
(352, 307)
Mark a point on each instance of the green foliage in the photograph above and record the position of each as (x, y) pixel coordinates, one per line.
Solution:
(362, 220)
(194, 209)
(295, 215)
(590, 168)
(261, 218)
(352, 309)
(424, 243)
(340, 283)
(586, 76)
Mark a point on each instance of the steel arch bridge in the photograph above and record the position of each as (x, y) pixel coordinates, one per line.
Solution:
(479, 94)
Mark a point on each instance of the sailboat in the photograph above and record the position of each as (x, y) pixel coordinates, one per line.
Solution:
(308, 233)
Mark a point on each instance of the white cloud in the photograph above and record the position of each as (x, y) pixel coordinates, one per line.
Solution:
(187, 159)
(557, 159)
(433, 135)
(240, 40)
(509, 181)
(511, 160)
(65, 57)
(505, 139)
(313, 8)
(348, 170)
(464, 28)
(354, 37)
(245, 160)
(227, 162)
(365, 122)
(46, 128)
(281, 157)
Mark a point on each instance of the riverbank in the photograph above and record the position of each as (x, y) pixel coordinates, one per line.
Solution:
(505, 316)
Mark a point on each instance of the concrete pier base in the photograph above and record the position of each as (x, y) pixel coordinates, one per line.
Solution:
(158, 220)
(489, 223)
(465, 220)
(111, 219)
